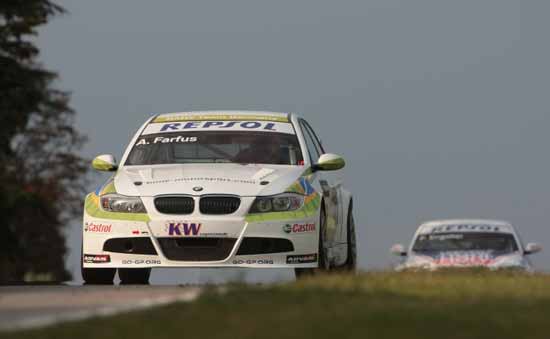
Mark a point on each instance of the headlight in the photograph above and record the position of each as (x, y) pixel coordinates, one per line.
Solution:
(121, 203)
(279, 203)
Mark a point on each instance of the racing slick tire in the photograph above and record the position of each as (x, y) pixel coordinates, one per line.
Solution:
(98, 276)
(323, 261)
(351, 261)
(134, 276)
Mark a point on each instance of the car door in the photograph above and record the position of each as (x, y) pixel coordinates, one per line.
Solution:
(331, 185)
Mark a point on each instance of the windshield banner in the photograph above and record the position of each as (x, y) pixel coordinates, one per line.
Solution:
(198, 126)
(221, 117)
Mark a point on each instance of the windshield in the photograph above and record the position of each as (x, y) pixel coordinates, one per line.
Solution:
(443, 242)
(216, 147)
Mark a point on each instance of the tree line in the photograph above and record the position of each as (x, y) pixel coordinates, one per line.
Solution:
(42, 175)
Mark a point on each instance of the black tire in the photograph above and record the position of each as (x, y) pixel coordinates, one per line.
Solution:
(134, 276)
(98, 276)
(323, 263)
(351, 261)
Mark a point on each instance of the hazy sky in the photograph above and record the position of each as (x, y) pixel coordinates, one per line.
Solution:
(441, 108)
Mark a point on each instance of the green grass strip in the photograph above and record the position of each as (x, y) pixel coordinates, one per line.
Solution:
(374, 305)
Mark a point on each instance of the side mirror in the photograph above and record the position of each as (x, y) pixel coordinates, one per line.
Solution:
(399, 250)
(532, 248)
(105, 162)
(329, 162)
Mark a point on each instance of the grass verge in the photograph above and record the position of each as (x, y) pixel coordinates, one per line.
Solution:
(442, 305)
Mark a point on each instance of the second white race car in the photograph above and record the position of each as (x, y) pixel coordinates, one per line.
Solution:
(465, 243)
(218, 189)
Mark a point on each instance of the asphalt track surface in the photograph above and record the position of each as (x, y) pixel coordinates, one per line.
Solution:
(37, 306)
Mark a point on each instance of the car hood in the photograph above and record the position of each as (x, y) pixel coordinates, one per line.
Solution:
(488, 259)
(200, 179)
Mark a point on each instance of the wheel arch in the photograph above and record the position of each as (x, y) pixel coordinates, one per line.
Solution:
(347, 202)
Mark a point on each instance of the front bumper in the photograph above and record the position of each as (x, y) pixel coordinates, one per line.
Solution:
(200, 241)
(511, 262)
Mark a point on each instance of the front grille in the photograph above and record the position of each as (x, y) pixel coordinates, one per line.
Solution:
(251, 245)
(175, 205)
(196, 249)
(136, 245)
(219, 205)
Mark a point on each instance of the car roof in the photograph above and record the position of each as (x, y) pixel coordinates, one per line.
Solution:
(223, 115)
(448, 225)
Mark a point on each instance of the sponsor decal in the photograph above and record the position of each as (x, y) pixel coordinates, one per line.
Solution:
(135, 232)
(96, 258)
(141, 262)
(464, 259)
(183, 228)
(209, 179)
(97, 228)
(253, 262)
(301, 259)
(299, 228)
(441, 237)
(176, 126)
(213, 234)
(217, 125)
(308, 189)
(465, 227)
(163, 140)
(220, 117)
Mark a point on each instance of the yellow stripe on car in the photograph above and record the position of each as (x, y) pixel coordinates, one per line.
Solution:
(220, 117)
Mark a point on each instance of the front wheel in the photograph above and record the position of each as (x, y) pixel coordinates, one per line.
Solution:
(134, 276)
(98, 276)
(322, 256)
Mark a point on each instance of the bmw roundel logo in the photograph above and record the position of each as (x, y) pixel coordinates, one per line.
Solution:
(197, 188)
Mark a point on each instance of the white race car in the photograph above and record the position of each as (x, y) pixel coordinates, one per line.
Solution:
(465, 243)
(218, 189)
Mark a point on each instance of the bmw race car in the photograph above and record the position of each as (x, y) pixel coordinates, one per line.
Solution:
(218, 189)
(466, 243)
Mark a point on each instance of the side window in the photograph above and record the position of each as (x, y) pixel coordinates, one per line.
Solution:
(316, 140)
(313, 151)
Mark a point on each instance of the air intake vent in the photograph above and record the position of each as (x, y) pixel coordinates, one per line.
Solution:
(196, 249)
(219, 205)
(251, 245)
(175, 205)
